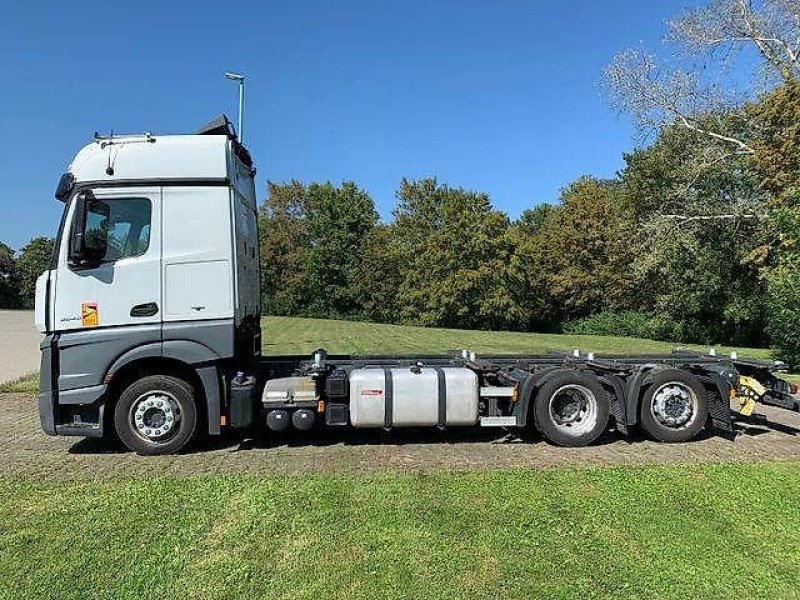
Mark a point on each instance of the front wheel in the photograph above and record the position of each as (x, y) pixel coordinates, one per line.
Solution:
(674, 408)
(156, 415)
(571, 409)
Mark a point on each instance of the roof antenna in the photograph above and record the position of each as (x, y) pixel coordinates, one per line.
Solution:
(109, 168)
(240, 78)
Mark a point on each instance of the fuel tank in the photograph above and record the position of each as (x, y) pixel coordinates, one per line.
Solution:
(386, 397)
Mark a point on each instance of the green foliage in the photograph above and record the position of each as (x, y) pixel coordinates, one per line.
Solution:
(628, 323)
(380, 274)
(29, 384)
(339, 220)
(578, 260)
(777, 160)
(33, 260)
(455, 249)
(777, 163)
(532, 220)
(311, 244)
(702, 287)
(9, 284)
(784, 311)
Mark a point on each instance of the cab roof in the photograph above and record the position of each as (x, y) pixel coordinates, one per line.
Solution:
(206, 155)
(148, 157)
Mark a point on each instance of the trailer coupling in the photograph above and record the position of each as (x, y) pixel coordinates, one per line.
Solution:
(751, 391)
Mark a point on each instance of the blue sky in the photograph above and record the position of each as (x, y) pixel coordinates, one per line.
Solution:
(498, 96)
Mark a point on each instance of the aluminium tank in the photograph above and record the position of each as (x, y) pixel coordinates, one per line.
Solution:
(384, 397)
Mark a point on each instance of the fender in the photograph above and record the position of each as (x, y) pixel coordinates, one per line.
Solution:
(619, 405)
(719, 410)
(201, 358)
(633, 391)
(527, 389)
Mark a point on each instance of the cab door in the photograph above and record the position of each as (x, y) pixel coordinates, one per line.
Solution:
(121, 285)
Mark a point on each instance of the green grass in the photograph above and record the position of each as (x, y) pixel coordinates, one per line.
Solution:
(29, 384)
(666, 532)
(289, 335)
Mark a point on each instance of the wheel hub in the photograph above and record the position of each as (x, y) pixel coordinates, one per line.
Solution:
(674, 405)
(573, 409)
(155, 415)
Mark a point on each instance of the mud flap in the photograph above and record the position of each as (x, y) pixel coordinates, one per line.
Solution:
(719, 412)
(616, 402)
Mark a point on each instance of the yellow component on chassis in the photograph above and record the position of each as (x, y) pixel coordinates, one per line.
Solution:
(750, 390)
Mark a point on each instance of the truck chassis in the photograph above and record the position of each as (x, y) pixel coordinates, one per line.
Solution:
(569, 398)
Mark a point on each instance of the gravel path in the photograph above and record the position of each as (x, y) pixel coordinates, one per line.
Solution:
(19, 344)
(26, 452)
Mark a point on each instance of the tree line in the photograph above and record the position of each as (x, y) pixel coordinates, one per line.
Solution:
(605, 259)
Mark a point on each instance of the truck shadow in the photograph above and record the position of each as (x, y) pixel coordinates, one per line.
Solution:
(759, 424)
(260, 440)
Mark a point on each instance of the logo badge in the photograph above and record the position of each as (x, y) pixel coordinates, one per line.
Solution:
(89, 315)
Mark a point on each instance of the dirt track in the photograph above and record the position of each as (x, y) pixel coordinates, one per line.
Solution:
(26, 452)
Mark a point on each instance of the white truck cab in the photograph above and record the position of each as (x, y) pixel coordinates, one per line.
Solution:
(156, 262)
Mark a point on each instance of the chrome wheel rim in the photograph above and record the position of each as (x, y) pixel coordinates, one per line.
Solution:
(573, 409)
(674, 405)
(155, 416)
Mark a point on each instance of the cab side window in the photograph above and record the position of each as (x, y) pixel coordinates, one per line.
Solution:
(118, 228)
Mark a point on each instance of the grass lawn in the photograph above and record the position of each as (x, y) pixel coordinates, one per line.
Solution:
(667, 532)
(290, 335)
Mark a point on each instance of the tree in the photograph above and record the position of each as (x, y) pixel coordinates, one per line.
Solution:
(725, 27)
(578, 261)
(696, 274)
(311, 242)
(380, 273)
(447, 254)
(33, 260)
(339, 220)
(284, 243)
(777, 164)
(9, 285)
(753, 145)
(532, 219)
(685, 91)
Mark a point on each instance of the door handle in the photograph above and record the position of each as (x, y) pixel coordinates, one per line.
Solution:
(144, 310)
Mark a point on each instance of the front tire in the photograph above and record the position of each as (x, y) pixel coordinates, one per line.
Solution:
(156, 415)
(675, 407)
(571, 409)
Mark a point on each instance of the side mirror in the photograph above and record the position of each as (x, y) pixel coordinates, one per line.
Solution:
(87, 248)
(77, 238)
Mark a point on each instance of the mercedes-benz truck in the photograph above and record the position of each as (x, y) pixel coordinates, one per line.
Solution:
(150, 311)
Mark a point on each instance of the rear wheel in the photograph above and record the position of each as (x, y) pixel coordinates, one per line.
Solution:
(571, 409)
(674, 408)
(156, 415)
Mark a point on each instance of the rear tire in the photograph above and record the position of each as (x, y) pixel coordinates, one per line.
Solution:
(571, 409)
(156, 415)
(675, 407)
